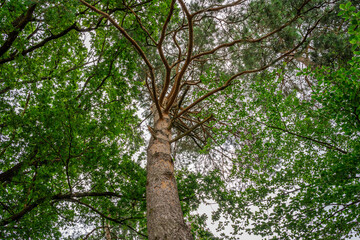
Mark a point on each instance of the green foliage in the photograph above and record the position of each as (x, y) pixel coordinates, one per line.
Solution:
(67, 127)
(301, 163)
(279, 157)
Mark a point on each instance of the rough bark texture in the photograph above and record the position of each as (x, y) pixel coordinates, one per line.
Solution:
(164, 215)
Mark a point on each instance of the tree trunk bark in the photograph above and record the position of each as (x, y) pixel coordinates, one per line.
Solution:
(165, 219)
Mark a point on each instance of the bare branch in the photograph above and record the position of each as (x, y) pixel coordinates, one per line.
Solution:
(183, 96)
(191, 129)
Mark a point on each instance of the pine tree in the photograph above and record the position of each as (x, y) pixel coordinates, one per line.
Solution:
(208, 77)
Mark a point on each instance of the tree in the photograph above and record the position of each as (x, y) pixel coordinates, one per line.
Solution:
(306, 183)
(62, 140)
(69, 128)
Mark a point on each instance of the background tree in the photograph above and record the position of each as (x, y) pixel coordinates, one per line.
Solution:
(68, 131)
(74, 74)
(304, 183)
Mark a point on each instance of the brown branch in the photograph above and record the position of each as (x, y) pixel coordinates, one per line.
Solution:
(149, 89)
(28, 208)
(328, 217)
(5, 90)
(108, 74)
(174, 32)
(327, 145)
(48, 39)
(183, 96)
(10, 173)
(19, 25)
(94, 73)
(138, 19)
(189, 58)
(123, 32)
(229, 81)
(33, 33)
(179, 55)
(26, 104)
(19, 215)
(144, 119)
(91, 232)
(219, 7)
(176, 87)
(252, 40)
(122, 222)
(40, 44)
(86, 194)
(135, 45)
(161, 53)
(85, 85)
(182, 127)
(152, 132)
(191, 129)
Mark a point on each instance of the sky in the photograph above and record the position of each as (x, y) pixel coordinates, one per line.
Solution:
(207, 209)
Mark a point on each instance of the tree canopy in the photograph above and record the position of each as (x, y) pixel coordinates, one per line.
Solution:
(261, 98)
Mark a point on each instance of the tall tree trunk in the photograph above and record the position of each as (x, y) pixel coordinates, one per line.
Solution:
(164, 215)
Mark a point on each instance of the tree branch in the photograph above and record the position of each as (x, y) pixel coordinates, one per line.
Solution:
(191, 129)
(327, 145)
(176, 87)
(19, 25)
(138, 19)
(161, 53)
(28, 208)
(252, 40)
(229, 81)
(40, 44)
(218, 7)
(135, 45)
(122, 222)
